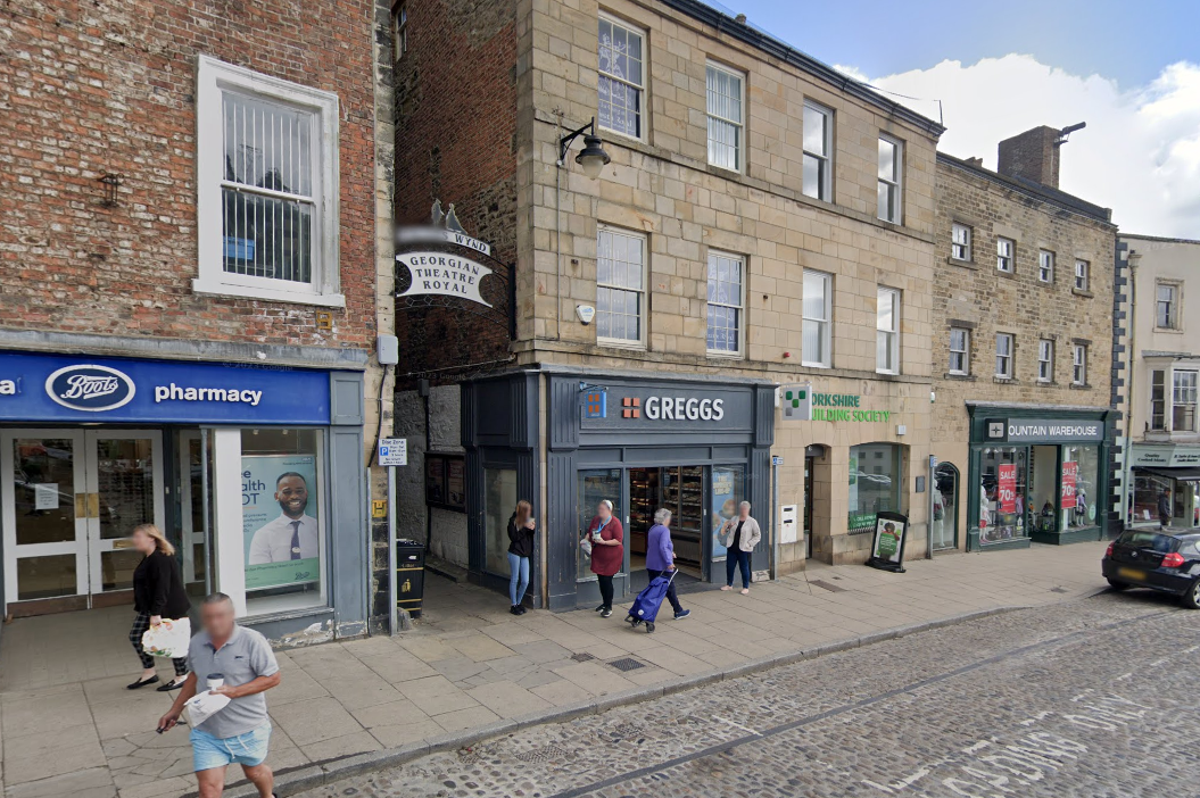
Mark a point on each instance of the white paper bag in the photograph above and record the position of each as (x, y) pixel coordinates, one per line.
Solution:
(169, 639)
(203, 706)
(586, 545)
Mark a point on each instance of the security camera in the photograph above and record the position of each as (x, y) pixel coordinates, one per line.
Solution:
(585, 313)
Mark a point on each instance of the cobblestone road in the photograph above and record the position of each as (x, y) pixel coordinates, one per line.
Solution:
(1091, 698)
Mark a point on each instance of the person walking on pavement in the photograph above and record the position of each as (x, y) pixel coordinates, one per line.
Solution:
(1164, 508)
(158, 593)
(608, 552)
(739, 535)
(660, 557)
(240, 732)
(520, 549)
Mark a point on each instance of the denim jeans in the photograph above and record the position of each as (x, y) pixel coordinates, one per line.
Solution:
(518, 583)
(737, 559)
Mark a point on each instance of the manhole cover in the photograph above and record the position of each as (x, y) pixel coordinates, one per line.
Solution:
(550, 753)
(827, 586)
(583, 656)
(627, 664)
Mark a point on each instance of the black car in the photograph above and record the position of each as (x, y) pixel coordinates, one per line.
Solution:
(1167, 561)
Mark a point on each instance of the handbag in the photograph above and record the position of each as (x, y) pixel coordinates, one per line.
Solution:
(169, 639)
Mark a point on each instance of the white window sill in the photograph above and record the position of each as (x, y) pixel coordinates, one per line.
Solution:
(887, 373)
(809, 365)
(720, 354)
(616, 343)
(201, 286)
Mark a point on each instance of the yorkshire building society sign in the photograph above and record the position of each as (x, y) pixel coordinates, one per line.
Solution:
(444, 274)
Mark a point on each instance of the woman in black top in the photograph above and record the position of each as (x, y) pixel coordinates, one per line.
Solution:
(157, 593)
(520, 549)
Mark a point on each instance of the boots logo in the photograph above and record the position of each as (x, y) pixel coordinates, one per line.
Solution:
(91, 388)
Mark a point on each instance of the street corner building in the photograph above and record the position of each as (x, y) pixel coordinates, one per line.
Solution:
(686, 220)
(190, 260)
(1162, 345)
(1025, 297)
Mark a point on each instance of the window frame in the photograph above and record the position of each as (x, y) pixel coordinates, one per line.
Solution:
(740, 147)
(825, 162)
(1158, 407)
(960, 250)
(1009, 356)
(740, 307)
(1083, 276)
(964, 352)
(643, 293)
(1079, 365)
(897, 181)
(826, 328)
(1046, 256)
(1045, 358)
(642, 116)
(1177, 403)
(894, 341)
(1172, 305)
(213, 78)
(400, 29)
(1011, 257)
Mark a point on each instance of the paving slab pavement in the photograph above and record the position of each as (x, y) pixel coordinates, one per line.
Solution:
(470, 670)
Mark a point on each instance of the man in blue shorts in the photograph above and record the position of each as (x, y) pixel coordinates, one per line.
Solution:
(239, 733)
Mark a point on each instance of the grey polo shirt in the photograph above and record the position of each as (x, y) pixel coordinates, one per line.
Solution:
(244, 657)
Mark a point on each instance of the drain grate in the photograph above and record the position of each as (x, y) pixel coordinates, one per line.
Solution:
(627, 664)
(827, 586)
(583, 656)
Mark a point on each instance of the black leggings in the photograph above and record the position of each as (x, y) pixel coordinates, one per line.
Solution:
(606, 590)
(140, 625)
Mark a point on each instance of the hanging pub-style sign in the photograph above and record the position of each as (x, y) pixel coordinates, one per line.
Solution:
(439, 272)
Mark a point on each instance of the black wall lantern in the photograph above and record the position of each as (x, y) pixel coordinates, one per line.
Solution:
(111, 182)
(592, 158)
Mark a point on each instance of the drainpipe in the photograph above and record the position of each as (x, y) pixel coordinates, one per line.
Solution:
(423, 392)
(1126, 469)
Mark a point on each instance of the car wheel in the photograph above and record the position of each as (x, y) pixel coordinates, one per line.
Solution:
(1118, 585)
(1191, 599)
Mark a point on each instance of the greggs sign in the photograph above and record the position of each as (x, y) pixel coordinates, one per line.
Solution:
(673, 408)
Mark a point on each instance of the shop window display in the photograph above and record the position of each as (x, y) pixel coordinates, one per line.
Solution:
(604, 483)
(875, 479)
(1002, 495)
(1080, 489)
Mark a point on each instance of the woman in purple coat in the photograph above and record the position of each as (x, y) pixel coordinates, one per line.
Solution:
(660, 557)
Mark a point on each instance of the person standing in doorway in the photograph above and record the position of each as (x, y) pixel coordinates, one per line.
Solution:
(608, 552)
(240, 665)
(1164, 508)
(520, 549)
(157, 593)
(740, 535)
(660, 557)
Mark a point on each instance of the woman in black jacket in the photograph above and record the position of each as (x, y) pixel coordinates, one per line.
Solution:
(157, 593)
(520, 549)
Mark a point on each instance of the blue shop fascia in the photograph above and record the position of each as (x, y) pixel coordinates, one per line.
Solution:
(254, 471)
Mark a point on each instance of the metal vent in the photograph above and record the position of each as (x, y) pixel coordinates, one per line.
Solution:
(827, 586)
(627, 664)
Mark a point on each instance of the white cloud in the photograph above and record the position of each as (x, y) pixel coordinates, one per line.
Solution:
(1140, 152)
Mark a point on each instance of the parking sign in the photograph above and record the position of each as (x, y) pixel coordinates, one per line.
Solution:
(393, 452)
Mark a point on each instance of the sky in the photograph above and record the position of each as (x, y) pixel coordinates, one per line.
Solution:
(1131, 71)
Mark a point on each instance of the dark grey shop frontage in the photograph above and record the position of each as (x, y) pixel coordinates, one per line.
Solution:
(567, 439)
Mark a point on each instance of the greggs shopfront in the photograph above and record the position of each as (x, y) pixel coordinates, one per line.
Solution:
(254, 472)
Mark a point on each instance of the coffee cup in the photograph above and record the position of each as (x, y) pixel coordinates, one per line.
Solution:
(215, 680)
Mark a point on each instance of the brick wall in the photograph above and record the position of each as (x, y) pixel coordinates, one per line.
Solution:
(1031, 155)
(109, 86)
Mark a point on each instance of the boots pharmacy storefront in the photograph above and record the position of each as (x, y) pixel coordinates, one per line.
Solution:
(1037, 475)
(236, 464)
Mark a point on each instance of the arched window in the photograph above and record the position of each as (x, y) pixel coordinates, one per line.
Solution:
(945, 506)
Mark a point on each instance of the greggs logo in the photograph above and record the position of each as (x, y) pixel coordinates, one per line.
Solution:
(673, 408)
(631, 407)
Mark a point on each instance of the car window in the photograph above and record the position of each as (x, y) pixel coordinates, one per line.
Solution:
(1163, 544)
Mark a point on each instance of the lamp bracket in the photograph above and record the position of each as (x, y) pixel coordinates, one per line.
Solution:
(566, 141)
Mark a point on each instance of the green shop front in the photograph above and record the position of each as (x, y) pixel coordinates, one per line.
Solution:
(1038, 474)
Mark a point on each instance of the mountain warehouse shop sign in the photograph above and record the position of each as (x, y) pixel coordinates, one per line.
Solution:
(1016, 430)
(444, 274)
(845, 407)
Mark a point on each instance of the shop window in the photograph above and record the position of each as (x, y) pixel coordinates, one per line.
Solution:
(960, 242)
(1147, 488)
(726, 141)
(818, 312)
(1043, 489)
(1158, 400)
(876, 482)
(1045, 266)
(283, 517)
(891, 159)
(887, 331)
(818, 152)
(727, 493)
(1045, 360)
(1004, 356)
(1080, 491)
(945, 506)
(267, 208)
(1166, 311)
(1183, 401)
(960, 351)
(1002, 499)
(620, 287)
(1006, 250)
(595, 486)
(621, 80)
(726, 284)
(499, 501)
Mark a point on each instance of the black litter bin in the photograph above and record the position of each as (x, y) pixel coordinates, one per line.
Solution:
(410, 576)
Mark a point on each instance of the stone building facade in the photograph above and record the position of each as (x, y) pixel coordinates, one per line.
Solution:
(692, 247)
(1025, 283)
(197, 196)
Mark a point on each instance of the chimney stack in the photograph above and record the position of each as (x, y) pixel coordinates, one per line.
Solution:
(1033, 155)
